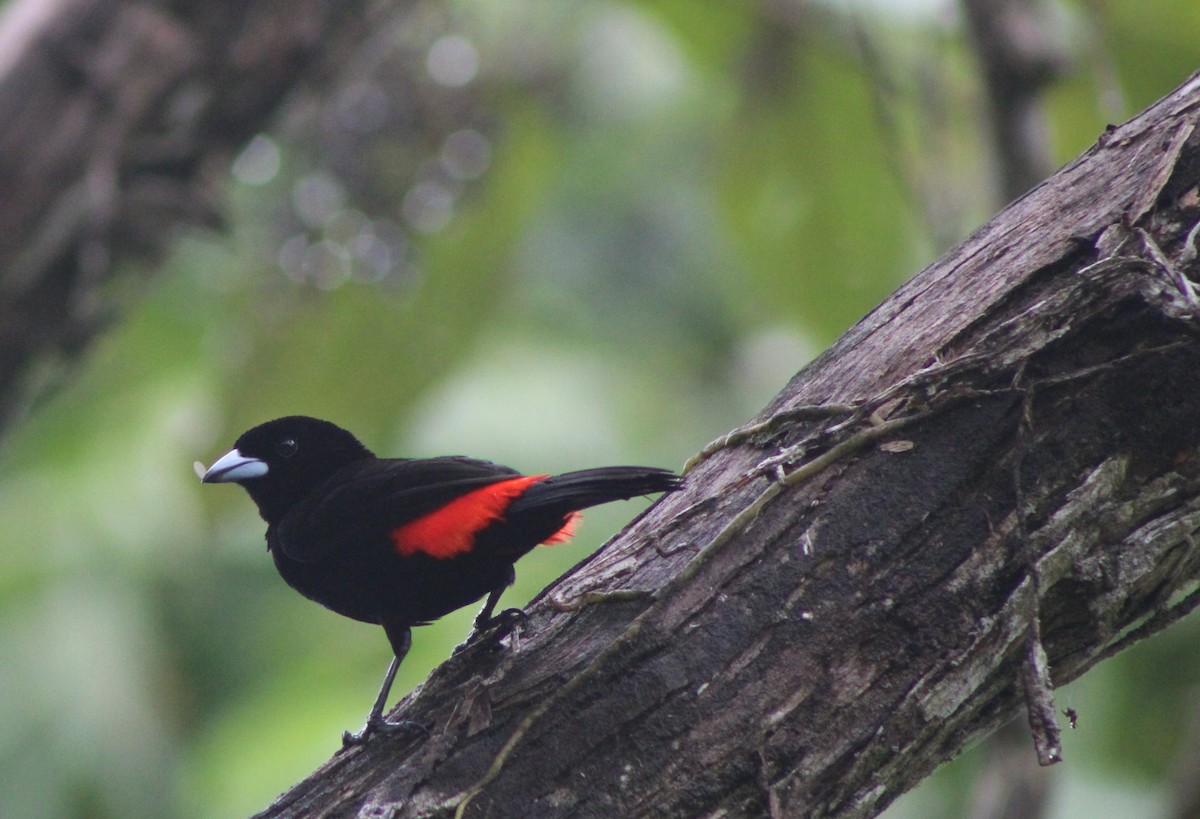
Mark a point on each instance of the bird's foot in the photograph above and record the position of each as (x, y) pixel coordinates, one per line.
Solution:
(502, 624)
(382, 725)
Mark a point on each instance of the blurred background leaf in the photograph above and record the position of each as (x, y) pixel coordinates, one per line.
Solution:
(555, 236)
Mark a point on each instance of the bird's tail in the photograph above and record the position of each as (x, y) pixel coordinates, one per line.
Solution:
(573, 491)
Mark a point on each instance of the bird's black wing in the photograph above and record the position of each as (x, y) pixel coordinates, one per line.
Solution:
(361, 505)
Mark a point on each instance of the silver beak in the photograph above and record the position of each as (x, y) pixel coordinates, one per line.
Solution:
(233, 467)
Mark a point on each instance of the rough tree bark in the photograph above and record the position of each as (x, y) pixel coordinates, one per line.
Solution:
(119, 121)
(987, 486)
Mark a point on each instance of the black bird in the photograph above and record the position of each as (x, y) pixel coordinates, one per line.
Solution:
(401, 542)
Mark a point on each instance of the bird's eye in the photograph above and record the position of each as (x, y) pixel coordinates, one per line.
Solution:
(287, 447)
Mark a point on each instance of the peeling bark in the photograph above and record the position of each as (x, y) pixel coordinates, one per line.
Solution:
(988, 485)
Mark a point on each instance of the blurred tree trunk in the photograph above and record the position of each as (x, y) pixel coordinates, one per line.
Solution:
(1021, 52)
(119, 122)
(987, 486)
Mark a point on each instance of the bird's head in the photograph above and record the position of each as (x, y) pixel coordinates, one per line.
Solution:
(281, 461)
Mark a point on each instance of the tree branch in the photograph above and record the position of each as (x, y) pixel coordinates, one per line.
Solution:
(1000, 461)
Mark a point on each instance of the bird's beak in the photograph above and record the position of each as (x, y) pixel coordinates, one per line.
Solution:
(232, 467)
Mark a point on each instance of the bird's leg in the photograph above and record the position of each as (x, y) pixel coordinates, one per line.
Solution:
(506, 619)
(375, 719)
(401, 639)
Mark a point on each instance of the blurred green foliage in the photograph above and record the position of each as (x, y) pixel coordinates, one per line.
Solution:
(683, 203)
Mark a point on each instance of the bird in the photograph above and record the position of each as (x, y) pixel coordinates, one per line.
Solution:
(400, 542)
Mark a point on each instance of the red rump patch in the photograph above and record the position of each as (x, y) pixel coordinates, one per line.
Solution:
(450, 530)
(566, 532)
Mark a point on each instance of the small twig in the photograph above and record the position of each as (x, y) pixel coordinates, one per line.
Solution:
(1188, 255)
(1035, 667)
(1111, 264)
(807, 412)
(1093, 369)
(851, 445)
(1185, 285)
(588, 598)
(1039, 699)
(1153, 624)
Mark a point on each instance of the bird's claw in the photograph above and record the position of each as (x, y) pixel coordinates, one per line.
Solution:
(381, 725)
(503, 623)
